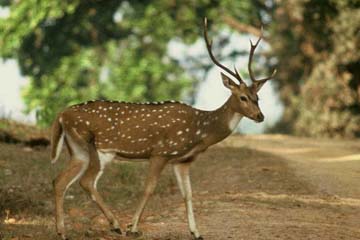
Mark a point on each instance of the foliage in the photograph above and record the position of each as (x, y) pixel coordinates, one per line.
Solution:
(316, 44)
(78, 50)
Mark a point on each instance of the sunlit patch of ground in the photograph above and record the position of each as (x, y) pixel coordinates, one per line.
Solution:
(350, 157)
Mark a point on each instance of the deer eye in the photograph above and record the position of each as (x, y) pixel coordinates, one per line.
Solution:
(243, 98)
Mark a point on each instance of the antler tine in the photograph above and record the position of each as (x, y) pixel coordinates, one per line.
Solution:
(251, 54)
(270, 77)
(252, 51)
(237, 73)
(209, 48)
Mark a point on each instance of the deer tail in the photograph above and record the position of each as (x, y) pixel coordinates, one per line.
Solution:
(57, 139)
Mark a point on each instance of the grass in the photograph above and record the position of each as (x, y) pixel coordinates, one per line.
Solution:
(26, 187)
(26, 176)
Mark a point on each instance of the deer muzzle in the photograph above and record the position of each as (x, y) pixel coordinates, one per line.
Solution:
(259, 117)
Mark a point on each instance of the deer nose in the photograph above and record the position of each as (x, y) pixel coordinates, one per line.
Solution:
(260, 117)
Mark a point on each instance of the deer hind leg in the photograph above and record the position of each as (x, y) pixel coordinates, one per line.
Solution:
(155, 168)
(182, 173)
(89, 183)
(62, 182)
(78, 163)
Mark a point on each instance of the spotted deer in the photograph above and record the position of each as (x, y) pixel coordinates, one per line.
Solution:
(97, 132)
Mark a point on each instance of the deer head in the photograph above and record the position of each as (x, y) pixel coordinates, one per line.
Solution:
(244, 99)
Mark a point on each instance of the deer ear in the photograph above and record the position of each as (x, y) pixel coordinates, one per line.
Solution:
(258, 85)
(228, 82)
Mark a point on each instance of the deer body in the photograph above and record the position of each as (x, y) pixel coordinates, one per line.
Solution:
(96, 132)
(141, 131)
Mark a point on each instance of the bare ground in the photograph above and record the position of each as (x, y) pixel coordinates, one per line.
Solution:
(260, 187)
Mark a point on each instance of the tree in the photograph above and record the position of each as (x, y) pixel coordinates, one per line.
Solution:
(316, 44)
(78, 50)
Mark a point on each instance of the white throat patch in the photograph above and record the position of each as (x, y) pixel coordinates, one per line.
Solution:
(234, 121)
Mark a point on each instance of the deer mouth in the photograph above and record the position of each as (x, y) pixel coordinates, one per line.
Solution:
(258, 118)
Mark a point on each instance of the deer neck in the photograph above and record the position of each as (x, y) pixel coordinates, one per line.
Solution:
(228, 117)
(223, 120)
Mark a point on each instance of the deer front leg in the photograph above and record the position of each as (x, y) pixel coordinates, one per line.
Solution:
(155, 168)
(182, 171)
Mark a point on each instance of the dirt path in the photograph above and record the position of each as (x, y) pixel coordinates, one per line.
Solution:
(259, 187)
(280, 188)
(305, 189)
(332, 166)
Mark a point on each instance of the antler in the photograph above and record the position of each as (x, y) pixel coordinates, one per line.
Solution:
(209, 45)
(252, 50)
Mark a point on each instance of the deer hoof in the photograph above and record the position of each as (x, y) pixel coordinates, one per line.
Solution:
(133, 234)
(62, 236)
(116, 230)
(196, 238)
